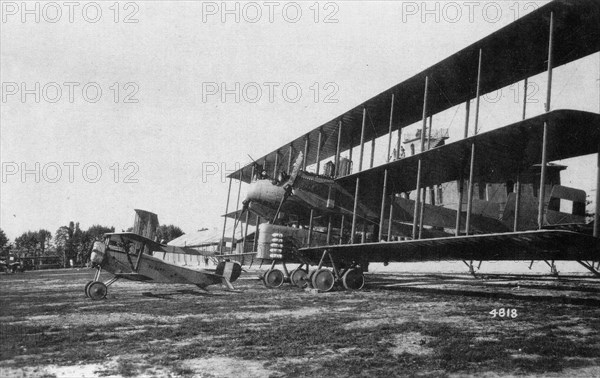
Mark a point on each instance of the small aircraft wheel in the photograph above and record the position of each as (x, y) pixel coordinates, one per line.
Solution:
(323, 280)
(273, 278)
(353, 279)
(97, 290)
(299, 278)
(87, 286)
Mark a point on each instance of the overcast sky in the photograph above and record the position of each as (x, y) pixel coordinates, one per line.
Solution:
(136, 98)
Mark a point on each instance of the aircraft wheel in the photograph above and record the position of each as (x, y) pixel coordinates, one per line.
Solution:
(97, 290)
(87, 286)
(323, 280)
(353, 279)
(273, 278)
(299, 278)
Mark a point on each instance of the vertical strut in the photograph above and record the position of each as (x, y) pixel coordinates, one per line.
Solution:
(290, 157)
(362, 140)
(389, 149)
(517, 201)
(461, 181)
(338, 150)
(237, 207)
(420, 163)
(477, 102)
(305, 160)
(390, 218)
(341, 241)
(328, 230)
(470, 191)
(318, 170)
(355, 209)
(225, 218)
(542, 192)
(310, 227)
(383, 195)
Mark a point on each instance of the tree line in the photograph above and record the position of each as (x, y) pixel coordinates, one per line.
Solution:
(70, 242)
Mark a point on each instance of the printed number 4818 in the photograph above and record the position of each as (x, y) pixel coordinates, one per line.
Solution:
(504, 313)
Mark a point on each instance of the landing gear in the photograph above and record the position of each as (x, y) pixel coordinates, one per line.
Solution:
(592, 266)
(353, 279)
(96, 290)
(299, 277)
(348, 275)
(323, 280)
(273, 278)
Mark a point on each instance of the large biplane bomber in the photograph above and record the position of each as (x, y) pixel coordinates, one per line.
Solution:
(319, 204)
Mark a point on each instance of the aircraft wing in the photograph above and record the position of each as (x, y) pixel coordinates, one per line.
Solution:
(500, 154)
(326, 195)
(155, 246)
(511, 54)
(526, 245)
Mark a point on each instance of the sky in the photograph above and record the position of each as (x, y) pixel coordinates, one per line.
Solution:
(112, 106)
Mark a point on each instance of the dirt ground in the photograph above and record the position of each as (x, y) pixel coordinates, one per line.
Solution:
(401, 324)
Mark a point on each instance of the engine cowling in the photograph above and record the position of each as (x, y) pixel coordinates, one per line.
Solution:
(98, 253)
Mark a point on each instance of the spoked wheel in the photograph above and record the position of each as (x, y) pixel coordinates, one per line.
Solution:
(299, 277)
(97, 290)
(353, 279)
(323, 279)
(87, 286)
(273, 278)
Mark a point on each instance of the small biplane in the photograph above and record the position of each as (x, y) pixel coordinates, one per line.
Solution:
(515, 206)
(132, 256)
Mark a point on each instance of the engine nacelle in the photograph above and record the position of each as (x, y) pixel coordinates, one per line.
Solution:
(98, 253)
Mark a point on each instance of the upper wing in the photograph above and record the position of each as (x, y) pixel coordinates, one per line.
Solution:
(511, 54)
(128, 237)
(500, 154)
(527, 245)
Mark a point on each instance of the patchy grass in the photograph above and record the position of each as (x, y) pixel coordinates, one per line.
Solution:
(46, 323)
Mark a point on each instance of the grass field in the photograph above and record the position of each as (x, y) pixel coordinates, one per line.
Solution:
(400, 325)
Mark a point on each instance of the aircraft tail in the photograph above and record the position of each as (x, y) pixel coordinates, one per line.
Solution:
(145, 224)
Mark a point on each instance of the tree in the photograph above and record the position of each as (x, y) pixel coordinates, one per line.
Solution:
(167, 233)
(27, 241)
(67, 240)
(44, 237)
(3, 240)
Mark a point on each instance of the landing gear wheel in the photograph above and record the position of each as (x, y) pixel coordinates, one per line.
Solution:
(353, 279)
(273, 278)
(323, 279)
(97, 290)
(299, 278)
(87, 286)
